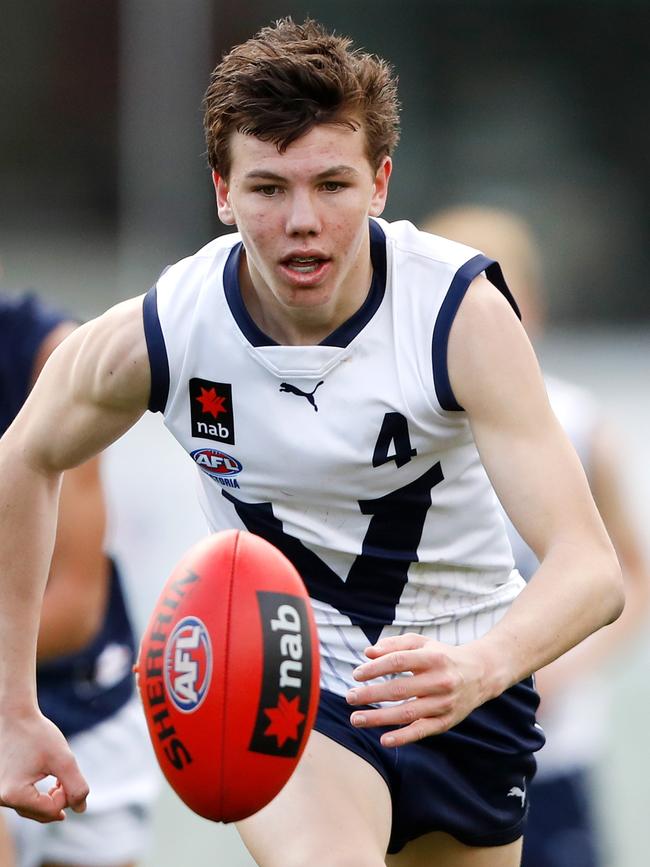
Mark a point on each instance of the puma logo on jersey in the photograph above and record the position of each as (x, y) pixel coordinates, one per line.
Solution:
(516, 792)
(309, 395)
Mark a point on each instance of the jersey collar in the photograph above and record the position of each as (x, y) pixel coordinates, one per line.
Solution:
(342, 335)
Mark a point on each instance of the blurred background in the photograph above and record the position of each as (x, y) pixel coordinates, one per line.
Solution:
(533, 105)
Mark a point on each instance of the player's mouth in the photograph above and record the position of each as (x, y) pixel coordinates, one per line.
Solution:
(303, 264)
(305, 270)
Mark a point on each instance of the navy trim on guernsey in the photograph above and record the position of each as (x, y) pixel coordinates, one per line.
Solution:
(470, 782)
(455, 294)
(495, 275)
(346, 332)
(157, 351)
(341, 336)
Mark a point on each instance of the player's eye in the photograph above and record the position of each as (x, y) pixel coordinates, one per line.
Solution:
(267, 190)
(332, 186)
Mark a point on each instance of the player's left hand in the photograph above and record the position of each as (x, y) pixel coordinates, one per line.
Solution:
(445, 685)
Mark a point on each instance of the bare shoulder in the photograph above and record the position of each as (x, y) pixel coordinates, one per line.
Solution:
(485, 316)
(107, 358)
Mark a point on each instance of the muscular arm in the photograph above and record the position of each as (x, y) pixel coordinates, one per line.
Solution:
(93, 388)
(539, 480)
(541, 484)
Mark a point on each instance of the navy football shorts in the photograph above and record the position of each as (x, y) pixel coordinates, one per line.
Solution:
(470, 782)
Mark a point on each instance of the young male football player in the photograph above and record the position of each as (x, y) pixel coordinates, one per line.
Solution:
(411, 351)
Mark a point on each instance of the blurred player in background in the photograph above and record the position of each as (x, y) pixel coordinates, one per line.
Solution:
(562, 829)
(85, 643)
(342, 367)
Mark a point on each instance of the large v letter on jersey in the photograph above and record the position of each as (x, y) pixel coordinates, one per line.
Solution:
(373, 587)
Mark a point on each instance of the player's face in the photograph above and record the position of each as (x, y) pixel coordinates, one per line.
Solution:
(303, 217)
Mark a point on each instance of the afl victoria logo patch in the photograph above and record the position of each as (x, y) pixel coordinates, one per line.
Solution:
(216, 463)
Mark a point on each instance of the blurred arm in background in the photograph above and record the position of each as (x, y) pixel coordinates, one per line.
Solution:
(606, 481)
(6, 846)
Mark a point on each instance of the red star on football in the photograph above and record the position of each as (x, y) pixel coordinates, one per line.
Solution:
(211, 402)
(285, 720)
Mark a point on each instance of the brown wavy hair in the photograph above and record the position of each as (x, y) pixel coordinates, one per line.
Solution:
(289, 77)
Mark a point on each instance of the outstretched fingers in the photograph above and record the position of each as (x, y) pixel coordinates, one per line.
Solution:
(417, 719)
(427, 662)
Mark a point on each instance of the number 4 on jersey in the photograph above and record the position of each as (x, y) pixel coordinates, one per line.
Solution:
(394, 431)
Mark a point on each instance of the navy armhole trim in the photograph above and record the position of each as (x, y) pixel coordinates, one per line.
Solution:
(495, 275)
(157, 350)
(242, 317)
(455, 294)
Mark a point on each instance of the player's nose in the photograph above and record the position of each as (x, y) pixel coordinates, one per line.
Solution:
(302, 214)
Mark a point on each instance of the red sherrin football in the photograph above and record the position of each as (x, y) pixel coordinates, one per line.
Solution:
(228, 673)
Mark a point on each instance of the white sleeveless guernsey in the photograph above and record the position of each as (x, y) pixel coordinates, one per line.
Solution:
(352, 456)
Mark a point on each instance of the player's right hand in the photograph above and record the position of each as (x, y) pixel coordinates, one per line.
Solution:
(32, 748)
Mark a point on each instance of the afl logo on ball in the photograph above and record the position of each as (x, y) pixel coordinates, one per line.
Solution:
(216, 463)
(188, 664)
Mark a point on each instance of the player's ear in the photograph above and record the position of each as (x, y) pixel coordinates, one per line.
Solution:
(380, 190)
(222, 191)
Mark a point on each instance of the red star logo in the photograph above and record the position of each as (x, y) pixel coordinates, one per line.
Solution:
(211, 402)
(285, 719)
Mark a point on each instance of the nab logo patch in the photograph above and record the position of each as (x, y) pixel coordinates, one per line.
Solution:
(286, 678)
(211, 410)
(216, 463)
(188, 664)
